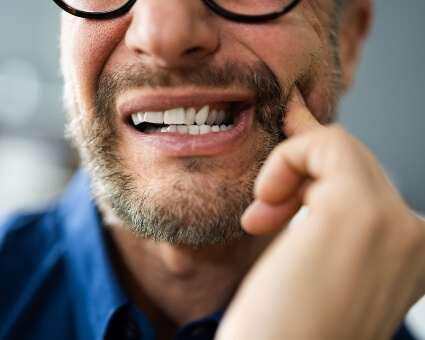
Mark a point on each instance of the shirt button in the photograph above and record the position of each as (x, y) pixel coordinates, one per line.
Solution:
(131, 331)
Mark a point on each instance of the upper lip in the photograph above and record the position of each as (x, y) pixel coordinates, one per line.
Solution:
(164, 101)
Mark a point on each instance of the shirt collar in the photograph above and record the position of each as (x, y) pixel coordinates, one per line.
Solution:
(94, 287)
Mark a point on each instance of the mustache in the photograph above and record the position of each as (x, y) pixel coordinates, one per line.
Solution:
(256, 78)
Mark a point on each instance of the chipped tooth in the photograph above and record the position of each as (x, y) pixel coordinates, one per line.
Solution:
(154, 117)
(182, 128)
(193, 129)
(202, 115)
(215, 128)
(190, 116)
(203, 129)
(220, 117)
(135, 118)
(223, 127)
(211, 118)
(172, 128)
(174, 116)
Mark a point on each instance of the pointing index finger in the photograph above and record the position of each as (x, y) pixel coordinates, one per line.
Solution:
(278, 180)
(298, 118)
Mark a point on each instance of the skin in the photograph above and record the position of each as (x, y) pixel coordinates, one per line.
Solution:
(176, 284)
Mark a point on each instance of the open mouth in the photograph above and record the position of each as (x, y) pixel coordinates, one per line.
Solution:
(191, 120)
(188, 125)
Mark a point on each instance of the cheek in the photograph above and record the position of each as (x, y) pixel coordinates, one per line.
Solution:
(284, 48)
(85, 47)
(296, 50)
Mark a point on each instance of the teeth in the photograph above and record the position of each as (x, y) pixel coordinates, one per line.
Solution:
(193, 130)
(181, 116)
(182, 128)
(175, 116)
(180, 120)
(172, 128)
(211, 118)
(203, 129)
(141, 116)
(190, 116)
(202, 115)
(150, 129)
(227, 118)
(137, 118)
(154, 117)
(220, 117)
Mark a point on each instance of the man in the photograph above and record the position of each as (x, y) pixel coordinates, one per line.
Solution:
(174, 105)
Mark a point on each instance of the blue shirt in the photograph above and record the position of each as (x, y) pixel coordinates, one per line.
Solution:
(57, 280)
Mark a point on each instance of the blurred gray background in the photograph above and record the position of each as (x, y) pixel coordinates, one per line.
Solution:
(384, 109)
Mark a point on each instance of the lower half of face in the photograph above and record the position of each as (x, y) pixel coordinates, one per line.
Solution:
(180, 187)
(149, 165)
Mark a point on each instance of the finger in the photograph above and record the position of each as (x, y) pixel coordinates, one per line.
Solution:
(298, 118)
(287, 170)
(322, 155)
(261, 218)
(277, 180)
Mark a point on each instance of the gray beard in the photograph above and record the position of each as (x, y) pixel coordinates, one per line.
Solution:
(188, 213)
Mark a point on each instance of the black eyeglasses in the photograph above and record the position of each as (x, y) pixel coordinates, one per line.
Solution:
(249, 11)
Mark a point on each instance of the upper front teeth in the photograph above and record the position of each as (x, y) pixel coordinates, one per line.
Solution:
(151, 117)
(180, 116)
(174, 116)
(202, 115)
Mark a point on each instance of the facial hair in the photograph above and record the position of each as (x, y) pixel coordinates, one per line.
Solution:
(188, 213)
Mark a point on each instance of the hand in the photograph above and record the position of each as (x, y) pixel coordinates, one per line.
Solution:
(352, 268)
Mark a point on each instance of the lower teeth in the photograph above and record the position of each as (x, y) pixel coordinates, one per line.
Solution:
(187, 129)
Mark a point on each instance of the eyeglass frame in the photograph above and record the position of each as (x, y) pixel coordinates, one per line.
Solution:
(211, 4)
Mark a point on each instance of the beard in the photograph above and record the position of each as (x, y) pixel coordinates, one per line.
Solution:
(200, 204)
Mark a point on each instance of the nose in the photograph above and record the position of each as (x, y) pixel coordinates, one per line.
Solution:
(170, 33)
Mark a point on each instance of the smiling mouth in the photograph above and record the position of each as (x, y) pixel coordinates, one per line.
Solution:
(191, 120)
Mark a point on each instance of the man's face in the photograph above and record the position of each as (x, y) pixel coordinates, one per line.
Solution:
(167, 54)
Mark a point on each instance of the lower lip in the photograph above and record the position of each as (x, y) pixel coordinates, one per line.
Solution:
(185, 145)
